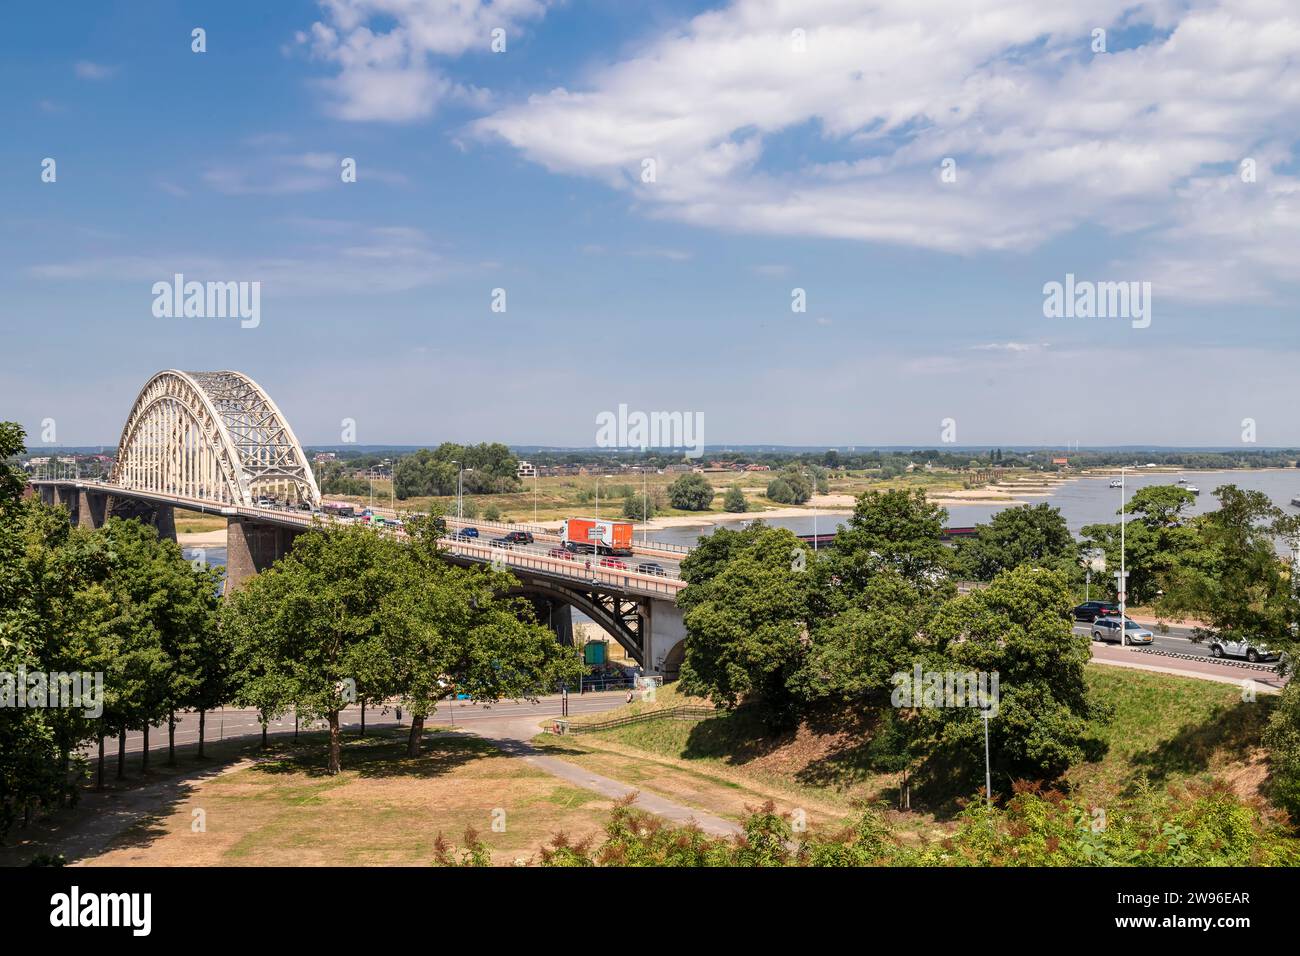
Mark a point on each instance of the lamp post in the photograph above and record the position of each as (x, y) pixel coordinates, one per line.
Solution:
(460, 470)
(645, 509)
(1123, 573)
(812, 476)
(988, 769)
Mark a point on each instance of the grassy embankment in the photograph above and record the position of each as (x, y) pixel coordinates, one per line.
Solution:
(1166, 729)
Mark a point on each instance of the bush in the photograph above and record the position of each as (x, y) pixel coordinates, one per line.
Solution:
(691, 493)
(734, 501)
(779, 490)
(638, 508)
(1282, 738)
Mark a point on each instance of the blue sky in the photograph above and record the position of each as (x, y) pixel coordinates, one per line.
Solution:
(783, 161)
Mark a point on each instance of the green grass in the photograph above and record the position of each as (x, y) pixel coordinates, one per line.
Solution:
(1165, 729)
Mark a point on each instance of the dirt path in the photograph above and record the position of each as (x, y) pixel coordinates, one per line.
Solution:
(513, 736)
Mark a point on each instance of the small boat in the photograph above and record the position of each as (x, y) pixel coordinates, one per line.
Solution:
(1116, 483)
(1182, 481)
(1295, 502)
(1192, 488)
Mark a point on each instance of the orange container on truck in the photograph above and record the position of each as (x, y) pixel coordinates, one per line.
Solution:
(589, 534)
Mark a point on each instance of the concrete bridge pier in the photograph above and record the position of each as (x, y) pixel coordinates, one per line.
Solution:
(557, 616)
(252, 547)
(164, 521)
(92, 506)
(664, 637)
(47, 495)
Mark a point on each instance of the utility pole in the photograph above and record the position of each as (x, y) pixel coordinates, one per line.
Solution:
(1123, 573)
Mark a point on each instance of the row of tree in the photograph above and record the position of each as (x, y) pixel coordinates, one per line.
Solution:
(776, 626)
(347, 617)
(483, 469)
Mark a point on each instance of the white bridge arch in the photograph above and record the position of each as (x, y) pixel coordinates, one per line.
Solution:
(211, 436)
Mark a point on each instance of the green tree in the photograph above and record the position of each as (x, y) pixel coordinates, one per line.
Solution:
(734, 501)
(1019, 628)
(691, 492)
(638, 507)
(1152, 540)
(1233, 579)
(1030, 534)
(458, 630)
(311, 629)
(746, 619)
(893, 530)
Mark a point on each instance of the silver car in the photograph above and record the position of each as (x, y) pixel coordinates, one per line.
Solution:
(1107, 629)
(1251, 650)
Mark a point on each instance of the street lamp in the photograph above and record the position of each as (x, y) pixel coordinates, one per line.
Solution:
(598, 477)
(813, 477)
(1123, 573)
(460, 469)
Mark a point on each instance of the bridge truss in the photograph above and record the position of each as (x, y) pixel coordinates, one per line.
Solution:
(211, 436)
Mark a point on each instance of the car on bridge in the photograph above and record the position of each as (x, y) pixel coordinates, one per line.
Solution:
(613, 563)
(563, 554)
(1108, 630)
(1091, 610)
(517, 537)
(1225, 646)
(468, 532)
(651, 567)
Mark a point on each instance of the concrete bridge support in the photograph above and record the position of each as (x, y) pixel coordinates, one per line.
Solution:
(161, 517)
(92, 506)
(47, 495)
(556, 615)
(664, 637)
(253, 547)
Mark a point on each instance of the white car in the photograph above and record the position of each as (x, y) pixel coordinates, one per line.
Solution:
(1107, 629)
(1251, 650)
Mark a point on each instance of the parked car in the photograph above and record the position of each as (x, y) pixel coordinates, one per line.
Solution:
(1252, 651)
(562, 553)
(1107, 629)
(518, 537)
(613, 563)
(650, 567)
(1091, 610)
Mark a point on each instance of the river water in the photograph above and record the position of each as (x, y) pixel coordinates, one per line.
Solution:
(1082, 501)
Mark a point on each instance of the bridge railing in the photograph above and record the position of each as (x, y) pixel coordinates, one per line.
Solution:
(681, 712)
(627, 580)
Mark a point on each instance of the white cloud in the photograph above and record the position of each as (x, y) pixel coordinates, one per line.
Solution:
(1047, 137)
(357, 260)
(392, 75)
(87, 70)
(290, 173)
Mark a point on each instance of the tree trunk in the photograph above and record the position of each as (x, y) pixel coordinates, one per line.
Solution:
(99, 777)
(363, 718)
(171, 738)
(264, 735)
(203, 724)
(417, 731)
(121, 755)
(144, 752)
(334, 742)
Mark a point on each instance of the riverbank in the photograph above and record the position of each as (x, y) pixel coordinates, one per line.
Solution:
(202, 539)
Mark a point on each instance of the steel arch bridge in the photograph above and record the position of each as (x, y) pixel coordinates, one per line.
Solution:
(211, 436)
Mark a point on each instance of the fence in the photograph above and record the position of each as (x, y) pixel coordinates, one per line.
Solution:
(683, 712)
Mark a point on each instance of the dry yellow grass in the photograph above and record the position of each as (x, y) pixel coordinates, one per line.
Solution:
(381, 810)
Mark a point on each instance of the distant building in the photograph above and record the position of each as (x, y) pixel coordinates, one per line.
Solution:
(323, 456)
(758, 467)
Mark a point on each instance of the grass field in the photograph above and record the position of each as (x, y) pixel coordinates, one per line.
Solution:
(1165, 729)
(383, 809)
(561, 497)
(191, 522)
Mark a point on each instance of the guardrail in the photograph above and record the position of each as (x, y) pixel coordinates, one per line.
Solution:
(681, 712)
(628, 580)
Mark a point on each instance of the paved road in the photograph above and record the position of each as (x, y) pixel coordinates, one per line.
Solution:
(237, 722)
(1176, 641)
